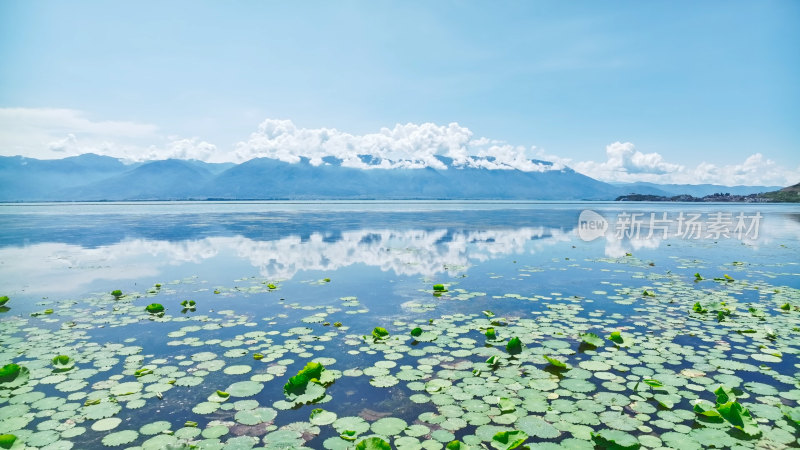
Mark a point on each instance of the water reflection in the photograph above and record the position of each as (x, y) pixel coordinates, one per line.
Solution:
(50, 266)
(67, 249)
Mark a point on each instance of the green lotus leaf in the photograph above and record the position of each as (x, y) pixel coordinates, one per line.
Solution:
(7, 440)
(456, 445)
(653, 383)
(3, 300)
(506, 405)
(490, 334)
(154, 308)
(13, 375)
(379, 333)
(506, 440)
(739, 417)
(416, 332)
(706, 408)
(554, 362)
(116, 293)
(615, 440)
(389, 426)
(514, 346)
(724, 394)
(244, 388)
(793, 414)
(297, 384)
(591, 339)
(62, 363)
(120, 438)
(439, 288)
(321, 417)
(373, 443)
(616, 337)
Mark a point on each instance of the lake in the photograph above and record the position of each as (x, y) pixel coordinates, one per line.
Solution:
(413, 324)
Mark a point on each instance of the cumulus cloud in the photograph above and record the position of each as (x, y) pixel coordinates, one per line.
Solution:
(403, 146)
(626, 164)
(48, 133)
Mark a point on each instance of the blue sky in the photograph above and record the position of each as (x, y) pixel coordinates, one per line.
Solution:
(618, 90)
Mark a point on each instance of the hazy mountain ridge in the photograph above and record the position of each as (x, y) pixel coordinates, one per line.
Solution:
(92, 177)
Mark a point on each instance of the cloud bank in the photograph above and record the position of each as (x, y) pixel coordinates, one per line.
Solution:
(49, 133)
(626, 164)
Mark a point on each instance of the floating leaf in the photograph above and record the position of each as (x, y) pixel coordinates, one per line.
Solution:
(297, 384)
(506, 405)
(373, 443)
(739, 417)
(120, 438)
(554, 362)
(379, 333)
(615, 440)
(506, 440)
(592, 339)
(321, 417)
(7, 440)
(154, 308)
(653, 382)
(389, 426)
(13, 375)
(244, 388)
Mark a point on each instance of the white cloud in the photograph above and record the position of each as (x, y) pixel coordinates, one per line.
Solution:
(404, 146)
(48, 133)
(626, 164)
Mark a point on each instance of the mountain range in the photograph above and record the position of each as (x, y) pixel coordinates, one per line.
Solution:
(91, 177)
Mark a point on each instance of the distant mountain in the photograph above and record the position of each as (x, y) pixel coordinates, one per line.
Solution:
(170, 179)
(695, 190)
(787, 194)
(40, 180)
(92, 177)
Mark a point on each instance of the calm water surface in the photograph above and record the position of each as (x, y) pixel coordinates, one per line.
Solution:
(374, 264)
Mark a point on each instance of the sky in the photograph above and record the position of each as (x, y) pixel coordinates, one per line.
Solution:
(661, 91)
